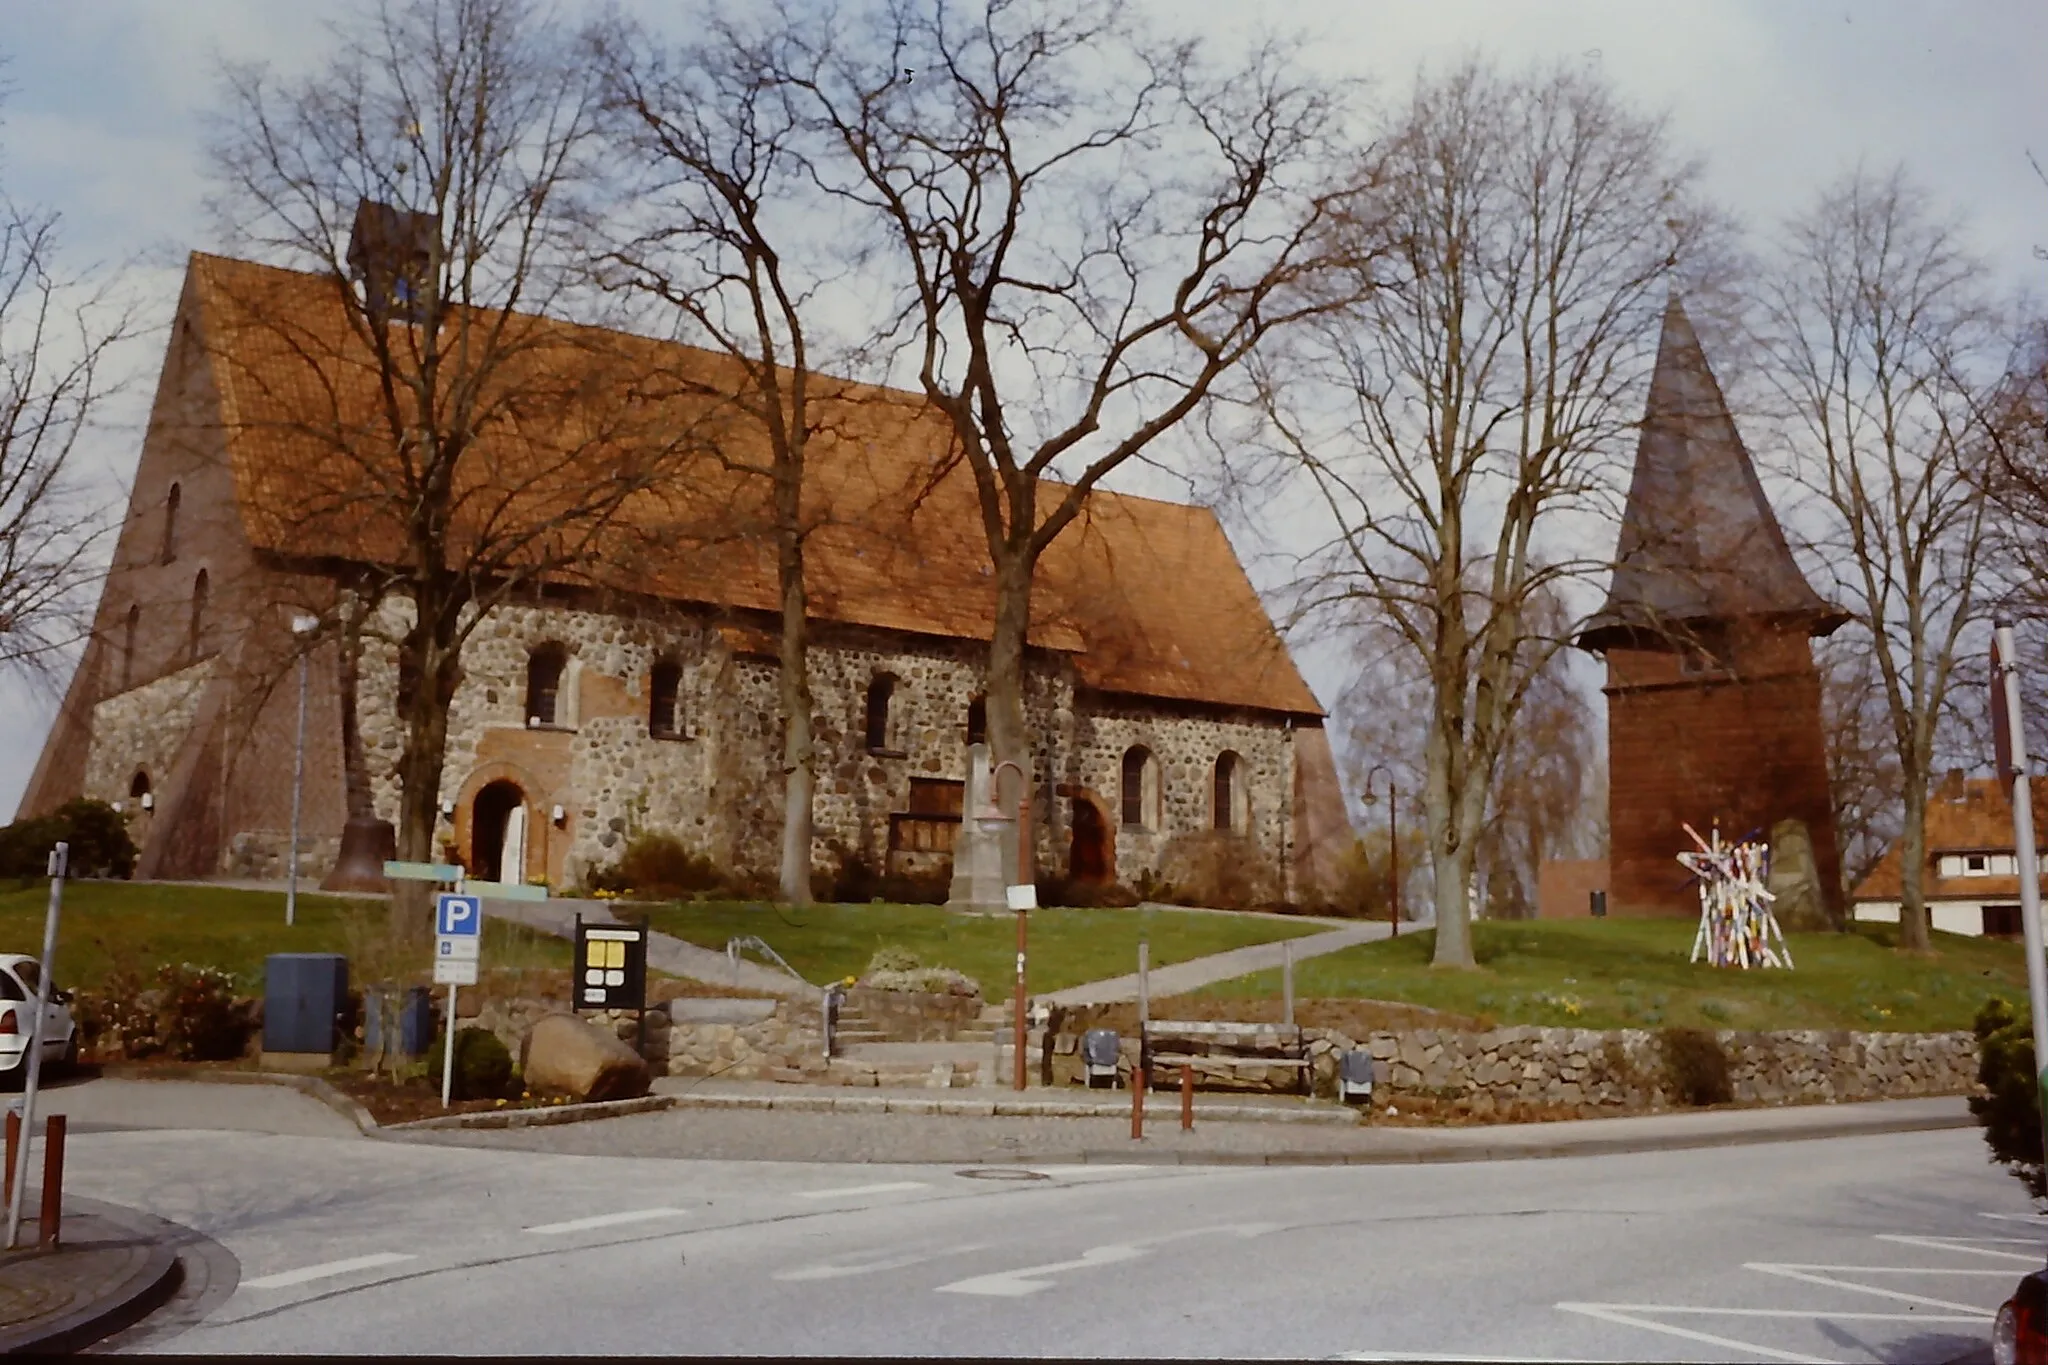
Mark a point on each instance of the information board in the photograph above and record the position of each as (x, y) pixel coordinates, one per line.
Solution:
(611, 966)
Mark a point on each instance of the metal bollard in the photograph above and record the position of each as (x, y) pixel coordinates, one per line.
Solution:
(1187, 1098)
(53, 1180)
(1137, 1103)
(13, 1146)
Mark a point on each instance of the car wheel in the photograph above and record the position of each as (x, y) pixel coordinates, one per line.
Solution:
(71, 1052)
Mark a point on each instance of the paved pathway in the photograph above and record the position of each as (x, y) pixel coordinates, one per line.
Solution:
(1182, 977)
(665, 953)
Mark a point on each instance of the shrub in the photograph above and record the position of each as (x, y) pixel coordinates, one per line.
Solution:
(118, 1019)
(893, 958)
(96, 832)
(858, 882)
(1219, 869)
(1695, 1066)
(483, 1065)
(197, 1017)
(1056, 890)
(2010, 1107)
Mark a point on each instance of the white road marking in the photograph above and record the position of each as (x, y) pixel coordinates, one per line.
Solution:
(891, 1187)
(836, 1271)
(1015, 1284)
(606, 1220)
(1613, 1312)
(320, 1272)
(1800, 1273)
(2040, 1218)
(1462, 1359)
(1962, 1244)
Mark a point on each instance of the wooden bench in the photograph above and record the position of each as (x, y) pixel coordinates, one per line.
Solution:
(1166, 1045)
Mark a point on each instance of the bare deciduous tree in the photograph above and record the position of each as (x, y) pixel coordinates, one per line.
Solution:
(1880, 328)
(55, 335)
(1545, 794)
(1863, 759)
(461, 443)
(722, 209)
(1451, 424)
(1098, 227)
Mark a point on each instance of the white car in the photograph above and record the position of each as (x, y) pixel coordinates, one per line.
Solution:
(20, 975)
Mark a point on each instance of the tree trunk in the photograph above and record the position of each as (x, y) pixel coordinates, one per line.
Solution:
(1914, 936)
(355, 765)
(798, 774)
(1008, 735)
(438, 668)
(1450, 856)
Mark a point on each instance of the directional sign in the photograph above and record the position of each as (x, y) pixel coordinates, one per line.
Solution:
(458, 916)
(422, 872)
(454, 971)
(506, 891)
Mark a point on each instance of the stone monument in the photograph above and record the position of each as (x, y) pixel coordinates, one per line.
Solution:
(980, 851)
(1795, 881)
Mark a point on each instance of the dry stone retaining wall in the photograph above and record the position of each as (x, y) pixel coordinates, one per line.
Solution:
(739, 1039)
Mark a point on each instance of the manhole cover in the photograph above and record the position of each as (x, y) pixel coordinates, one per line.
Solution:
(1002, 1173)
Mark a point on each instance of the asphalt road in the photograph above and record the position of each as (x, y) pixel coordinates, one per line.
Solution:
(1881, 1248)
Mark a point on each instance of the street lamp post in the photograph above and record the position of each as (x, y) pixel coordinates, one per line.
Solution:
(302, 628)
(1393, 845)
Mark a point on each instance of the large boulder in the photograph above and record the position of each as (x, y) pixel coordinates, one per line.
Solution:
(562, 1053)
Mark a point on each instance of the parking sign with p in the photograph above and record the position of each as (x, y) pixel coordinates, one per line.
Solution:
(458, 916)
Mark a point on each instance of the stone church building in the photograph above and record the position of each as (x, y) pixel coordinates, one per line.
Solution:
(1713, 699)
(1169, 724)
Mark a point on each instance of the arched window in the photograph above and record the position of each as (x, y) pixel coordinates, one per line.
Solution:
(544, 683)
(170, 548)
(138, 785)
(879, 692)
(1140, 788)
(1225, 799)
(128, 646)
(195, 631)
(977, 720)
(664, 687)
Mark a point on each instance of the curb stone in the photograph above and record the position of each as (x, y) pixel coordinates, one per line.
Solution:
(130, 1301)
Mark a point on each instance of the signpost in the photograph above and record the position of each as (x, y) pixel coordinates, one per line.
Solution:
(2010, 740)
(458, 939)
(60, 858)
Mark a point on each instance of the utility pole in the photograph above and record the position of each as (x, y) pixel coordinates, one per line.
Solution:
(2009, 738)
(60, 859)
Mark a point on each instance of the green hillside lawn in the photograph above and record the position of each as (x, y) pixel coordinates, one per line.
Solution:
(109, 926)
(1635, 974)
(1068, 947)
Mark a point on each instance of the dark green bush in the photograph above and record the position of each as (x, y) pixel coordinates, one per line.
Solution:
(2010, 1108)
(96, 832)
(660, 867)
(483, 1065)
(1695, 1066)
(197, 1017)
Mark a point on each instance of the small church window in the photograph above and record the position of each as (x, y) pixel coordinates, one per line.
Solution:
(544, 683)
(1140, 788)
(879, 693)
(977, 721)
(195, 629)
(138, 786)
(1225, 799)
(664, 690)
(170, 545)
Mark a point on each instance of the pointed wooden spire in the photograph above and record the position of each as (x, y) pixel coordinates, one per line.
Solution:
(1699, 542)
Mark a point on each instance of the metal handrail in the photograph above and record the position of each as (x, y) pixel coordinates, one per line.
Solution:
(733, 948)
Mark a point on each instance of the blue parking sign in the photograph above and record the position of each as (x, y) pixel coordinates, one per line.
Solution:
(458, 916)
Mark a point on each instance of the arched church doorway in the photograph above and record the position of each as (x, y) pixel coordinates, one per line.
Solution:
(1091, 852)
(497, 833)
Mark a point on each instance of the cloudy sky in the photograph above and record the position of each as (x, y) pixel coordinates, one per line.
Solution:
(105, 123)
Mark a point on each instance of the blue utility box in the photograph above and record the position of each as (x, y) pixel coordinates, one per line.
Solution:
(303, 997)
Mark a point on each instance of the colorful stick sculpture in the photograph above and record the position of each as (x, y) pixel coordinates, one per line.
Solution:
(1737, 928)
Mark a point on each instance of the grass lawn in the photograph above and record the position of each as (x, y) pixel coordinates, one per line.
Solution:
(108, 926)
(1621, 973)
(1068, 947)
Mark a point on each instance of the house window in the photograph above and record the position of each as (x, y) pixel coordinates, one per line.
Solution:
(879, 693)
(977, 721)
(664, 689)
(170, 546)
(2001, 921)
(195, 629)
(128, 646)
(544, 669)
(1225, 798)
(1951, 866)
(1140, 788)
(1976, 865)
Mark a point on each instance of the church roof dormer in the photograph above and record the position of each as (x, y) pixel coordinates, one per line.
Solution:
(1699, 542)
